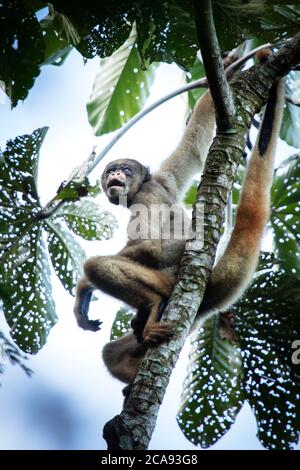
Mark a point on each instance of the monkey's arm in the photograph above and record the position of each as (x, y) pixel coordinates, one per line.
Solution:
(189, 157)
(234, 270)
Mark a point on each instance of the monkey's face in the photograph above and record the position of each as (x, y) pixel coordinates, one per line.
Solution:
(117, 183)
(122, 178)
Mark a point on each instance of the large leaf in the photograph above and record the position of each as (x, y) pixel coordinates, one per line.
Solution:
(21, 49)
(60, 36)
(236, 21)
(66, 255)
(268, 323)
(120, 89)
(102, 26)
(88, 220)
(212, 392)
(285, 216)
(290, 128)
(29, 308)
(166, 32)
(24, 271)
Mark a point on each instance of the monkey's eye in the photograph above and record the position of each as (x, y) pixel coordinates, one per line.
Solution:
(127, 171)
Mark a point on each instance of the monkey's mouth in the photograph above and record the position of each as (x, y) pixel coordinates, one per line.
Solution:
(115, 182)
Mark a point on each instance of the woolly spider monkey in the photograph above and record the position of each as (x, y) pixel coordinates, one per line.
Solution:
(144, 272)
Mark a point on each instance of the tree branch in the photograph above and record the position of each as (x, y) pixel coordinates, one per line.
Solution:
(132, 429)
(213, 64)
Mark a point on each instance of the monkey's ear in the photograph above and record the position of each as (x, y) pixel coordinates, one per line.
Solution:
(147, 176)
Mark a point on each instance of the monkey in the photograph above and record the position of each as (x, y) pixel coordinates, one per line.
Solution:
(144, 272)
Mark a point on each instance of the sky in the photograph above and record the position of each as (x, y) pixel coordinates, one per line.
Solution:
(71, 395)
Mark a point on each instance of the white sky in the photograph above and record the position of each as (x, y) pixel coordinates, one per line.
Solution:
(71, 395)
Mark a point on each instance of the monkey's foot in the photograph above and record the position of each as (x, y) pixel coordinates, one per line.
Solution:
(91, 325)
(157, 332)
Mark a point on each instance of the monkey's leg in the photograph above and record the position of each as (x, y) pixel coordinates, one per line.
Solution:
(123, 356)
(141, 287)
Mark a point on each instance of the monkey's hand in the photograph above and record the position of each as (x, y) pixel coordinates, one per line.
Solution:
(91, 325)
(157, 332)
(81, 308)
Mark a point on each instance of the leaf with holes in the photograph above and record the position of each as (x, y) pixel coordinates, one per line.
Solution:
(88, 220)
(103, 28)
(22, 49)
(120, 89)
(167, 33)
(66, 255)
(267, 20)
(122, 323)
(285, 216)
(267, 322)
(29, 309)
(212, 391)
(24, 271)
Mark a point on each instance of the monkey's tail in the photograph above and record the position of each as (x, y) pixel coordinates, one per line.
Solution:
(234, 270)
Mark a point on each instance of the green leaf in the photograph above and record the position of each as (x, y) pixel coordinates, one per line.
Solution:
(29, 308)
(190, 195)
(19, 201)
(102, 27)
(24, 271)
(61, 25)
(74, 190)
(122, 323)
(236, 21)
(22, 49)
(166, 32)
(285, 216)
(57, 49)
(267, 322)
(290, 128)
(20, 165)
(88, 220)
(66, 255)
(120, 89)
(212, 392)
